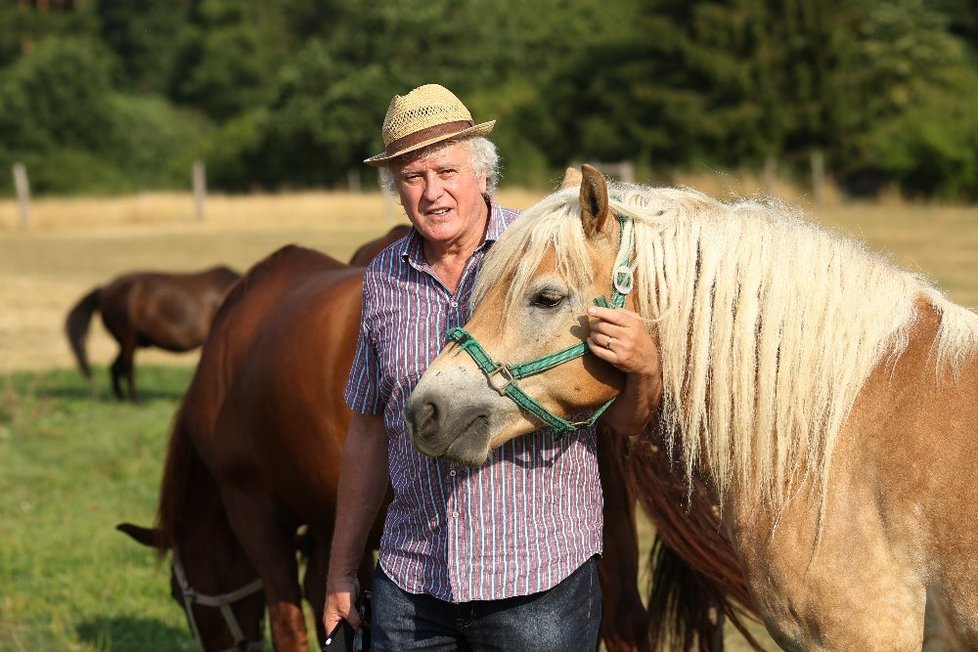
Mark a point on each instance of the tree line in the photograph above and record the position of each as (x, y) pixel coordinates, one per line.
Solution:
(107, 96)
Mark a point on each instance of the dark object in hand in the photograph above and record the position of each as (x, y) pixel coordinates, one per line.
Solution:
(345, 638)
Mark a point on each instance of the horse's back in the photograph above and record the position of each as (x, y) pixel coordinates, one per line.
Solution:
(248, 303)
(362, 256)
(172, 311)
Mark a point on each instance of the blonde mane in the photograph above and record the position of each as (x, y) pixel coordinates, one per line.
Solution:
(768, 325)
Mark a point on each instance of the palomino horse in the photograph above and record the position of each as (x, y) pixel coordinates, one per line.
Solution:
(141, 309)
(255, 451)
(825, 397)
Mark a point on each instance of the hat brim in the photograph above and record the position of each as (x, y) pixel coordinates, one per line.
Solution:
(480, 129)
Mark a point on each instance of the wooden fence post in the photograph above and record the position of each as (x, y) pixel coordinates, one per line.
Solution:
(353, 181)
(200, 190)
(23, 188)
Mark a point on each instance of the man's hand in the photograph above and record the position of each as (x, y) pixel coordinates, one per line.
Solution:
(341, 597)
(619, 336)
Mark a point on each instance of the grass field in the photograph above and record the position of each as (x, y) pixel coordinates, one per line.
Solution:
(73, 463)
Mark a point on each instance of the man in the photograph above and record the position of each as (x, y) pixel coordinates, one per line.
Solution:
(497, 557)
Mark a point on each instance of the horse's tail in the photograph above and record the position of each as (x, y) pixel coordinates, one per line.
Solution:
(181, 468)
(76, 327)
(686, 611)
(697, 577)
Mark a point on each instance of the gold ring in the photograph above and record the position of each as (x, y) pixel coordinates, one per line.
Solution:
(607, 344)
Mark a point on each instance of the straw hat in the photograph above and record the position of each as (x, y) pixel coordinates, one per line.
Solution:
(427, 115)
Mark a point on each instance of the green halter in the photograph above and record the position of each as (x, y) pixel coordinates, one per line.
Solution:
(502, 377)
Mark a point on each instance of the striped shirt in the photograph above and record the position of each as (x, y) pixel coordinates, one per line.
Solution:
(517, 525)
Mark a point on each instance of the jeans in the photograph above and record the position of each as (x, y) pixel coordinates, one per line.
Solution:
(562, 619)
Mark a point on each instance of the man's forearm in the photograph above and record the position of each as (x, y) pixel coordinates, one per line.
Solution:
(362, 487)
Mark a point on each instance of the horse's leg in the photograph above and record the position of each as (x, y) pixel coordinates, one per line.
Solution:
(116, 372)
(623, 622)
(122, 366)
(268, 538)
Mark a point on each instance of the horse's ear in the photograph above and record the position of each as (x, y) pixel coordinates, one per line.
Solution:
(572, 179)
(594, 201)
(147, 536)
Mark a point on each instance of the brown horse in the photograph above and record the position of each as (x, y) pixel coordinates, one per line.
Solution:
(825, 398)
(255, 449)
(142, 309)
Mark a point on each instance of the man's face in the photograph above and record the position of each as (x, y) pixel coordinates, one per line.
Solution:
(441, 194)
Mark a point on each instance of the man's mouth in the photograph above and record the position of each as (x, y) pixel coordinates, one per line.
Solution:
(439, 211)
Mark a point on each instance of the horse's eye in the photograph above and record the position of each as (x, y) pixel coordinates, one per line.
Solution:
(547, 299)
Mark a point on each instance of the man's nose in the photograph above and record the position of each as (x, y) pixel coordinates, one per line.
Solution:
(433, 188)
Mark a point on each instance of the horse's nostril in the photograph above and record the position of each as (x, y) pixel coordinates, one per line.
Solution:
(427, 419)
(422, 419)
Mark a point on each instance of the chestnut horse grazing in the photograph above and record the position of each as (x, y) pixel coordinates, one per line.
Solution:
(169, 311)
(825, 398)
(255, 452)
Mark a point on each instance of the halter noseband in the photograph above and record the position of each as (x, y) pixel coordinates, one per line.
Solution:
(503, 377)
(223, 602)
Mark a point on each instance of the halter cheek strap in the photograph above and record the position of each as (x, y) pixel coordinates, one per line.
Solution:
(502, 378)
(223, 602)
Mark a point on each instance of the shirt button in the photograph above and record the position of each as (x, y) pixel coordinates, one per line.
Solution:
(452, 473)
(454, 304)
(454, 514)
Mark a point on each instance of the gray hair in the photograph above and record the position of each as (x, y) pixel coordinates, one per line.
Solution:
(482, 154)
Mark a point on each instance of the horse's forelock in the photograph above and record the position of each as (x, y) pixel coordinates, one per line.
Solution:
(519, 251)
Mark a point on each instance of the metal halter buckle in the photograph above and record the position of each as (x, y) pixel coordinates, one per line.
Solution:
(503, 372)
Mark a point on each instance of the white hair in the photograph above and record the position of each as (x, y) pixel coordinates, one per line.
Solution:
(483, 156)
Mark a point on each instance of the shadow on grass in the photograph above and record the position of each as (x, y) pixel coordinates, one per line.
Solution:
(133, 633)
(100, 395)
(154, 384)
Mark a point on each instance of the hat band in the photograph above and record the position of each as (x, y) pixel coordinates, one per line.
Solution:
(412, 139)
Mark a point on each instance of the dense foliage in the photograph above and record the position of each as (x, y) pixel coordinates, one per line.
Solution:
(103, 96)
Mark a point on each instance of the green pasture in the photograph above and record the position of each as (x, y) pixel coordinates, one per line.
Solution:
(73, 463)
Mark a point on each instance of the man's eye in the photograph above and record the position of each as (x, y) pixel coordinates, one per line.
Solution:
(547, 299)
